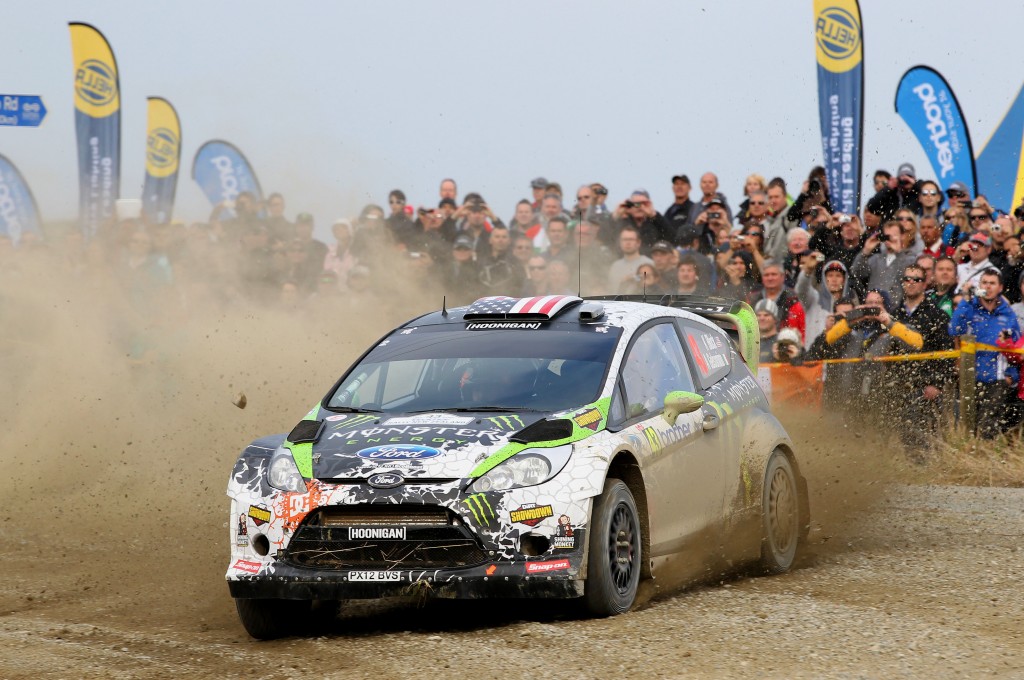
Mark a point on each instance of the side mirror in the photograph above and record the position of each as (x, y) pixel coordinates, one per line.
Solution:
(677, 403)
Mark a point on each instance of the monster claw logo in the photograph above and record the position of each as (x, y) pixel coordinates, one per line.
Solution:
(590, 419)
(481, 508)
(505, 422)
(340, 421)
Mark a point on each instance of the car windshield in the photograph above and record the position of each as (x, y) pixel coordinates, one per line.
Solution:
(446, 369)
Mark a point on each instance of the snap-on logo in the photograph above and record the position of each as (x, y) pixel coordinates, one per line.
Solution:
(399, 452)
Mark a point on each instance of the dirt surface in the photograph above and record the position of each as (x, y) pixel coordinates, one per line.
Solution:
(114, 537)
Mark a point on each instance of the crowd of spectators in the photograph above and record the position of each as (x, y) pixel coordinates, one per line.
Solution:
(913, 272)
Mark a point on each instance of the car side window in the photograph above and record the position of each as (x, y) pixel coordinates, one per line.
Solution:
(654, 367)
(710, 352)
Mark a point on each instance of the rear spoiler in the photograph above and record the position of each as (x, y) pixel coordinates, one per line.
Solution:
(730, 314)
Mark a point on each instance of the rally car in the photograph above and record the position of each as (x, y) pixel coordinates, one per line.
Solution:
(538, 447)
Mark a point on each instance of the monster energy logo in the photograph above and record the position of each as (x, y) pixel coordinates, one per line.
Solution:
(358, 419)
(505, 422)
(481, 508)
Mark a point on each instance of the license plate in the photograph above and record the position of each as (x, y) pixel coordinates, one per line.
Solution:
(374, 576)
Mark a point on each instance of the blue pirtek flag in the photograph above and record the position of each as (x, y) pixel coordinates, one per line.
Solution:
(97, 127)
(839, 48)
(163, 156)
(18, 211)
(927, 104)
(222, 172)
(1000, 170)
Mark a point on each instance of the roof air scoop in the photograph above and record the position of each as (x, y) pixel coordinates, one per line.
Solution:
(591, 311)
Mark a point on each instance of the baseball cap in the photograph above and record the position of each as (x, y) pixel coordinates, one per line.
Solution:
(767, 306)
(463, 241)
(906, 169)
(303, 217)
(834, 266)
(958, 186)
(663, 246)
(717, 200)
(981, 239)
(680, 178)
(538, 183)
(788, 335)
(447, 202)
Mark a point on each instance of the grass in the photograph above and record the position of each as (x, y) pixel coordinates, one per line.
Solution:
(958, 458)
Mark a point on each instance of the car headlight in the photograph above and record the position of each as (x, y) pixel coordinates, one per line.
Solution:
(283, 474)
(526, 468)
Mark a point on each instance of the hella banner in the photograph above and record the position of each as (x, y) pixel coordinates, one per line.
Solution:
(97, 127)
(163, 155)
(1000, 171)
(928, 106)
(839, 48)
(19, 214)
(222, 172)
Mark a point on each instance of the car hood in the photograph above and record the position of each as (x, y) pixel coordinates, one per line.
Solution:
(435, 446)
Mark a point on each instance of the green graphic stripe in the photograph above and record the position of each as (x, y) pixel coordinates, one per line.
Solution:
(302, 454)
(578, 434)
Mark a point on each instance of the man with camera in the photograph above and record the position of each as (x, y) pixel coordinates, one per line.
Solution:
(973, 255)
(882, 260)
(987, 316)
(709, 193)
(711, 223)
(638, 212)
(901, 191)
(916, 387)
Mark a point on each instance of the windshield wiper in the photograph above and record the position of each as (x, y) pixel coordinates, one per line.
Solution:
(491, 409)
(350, 409)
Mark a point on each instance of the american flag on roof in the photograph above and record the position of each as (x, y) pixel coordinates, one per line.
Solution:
(541, 305)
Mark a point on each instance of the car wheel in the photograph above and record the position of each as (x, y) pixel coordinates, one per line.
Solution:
(269, 619)
(614, 554)
(780, 512)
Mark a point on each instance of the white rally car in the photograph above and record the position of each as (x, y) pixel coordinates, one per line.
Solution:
(537, 447)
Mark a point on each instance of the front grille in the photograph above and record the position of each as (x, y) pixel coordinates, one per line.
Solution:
(434, 538)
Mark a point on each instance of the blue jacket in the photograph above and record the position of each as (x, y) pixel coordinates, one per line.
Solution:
(970, 317)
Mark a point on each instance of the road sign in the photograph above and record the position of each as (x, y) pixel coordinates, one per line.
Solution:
(21, 110)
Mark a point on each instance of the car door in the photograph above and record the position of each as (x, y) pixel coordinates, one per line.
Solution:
(677, 470)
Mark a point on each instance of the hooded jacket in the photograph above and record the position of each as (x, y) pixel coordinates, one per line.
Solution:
(817, 301)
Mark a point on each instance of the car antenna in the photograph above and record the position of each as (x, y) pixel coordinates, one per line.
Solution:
(579, 257)
(645, 285)
(444, 306)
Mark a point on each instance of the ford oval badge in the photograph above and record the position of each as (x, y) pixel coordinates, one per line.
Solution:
(398, 452)
(385, 480)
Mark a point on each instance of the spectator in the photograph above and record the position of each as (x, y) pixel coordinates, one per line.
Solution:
(339, 258)
(399, 223)
(881, 179)
(737, 278)
(790, 311)
(500, 273)
(986, 316)
(449, 226)
(475, 225)
(908, 225)
(851, 239)
(316, 251)
(461, 276)
(678, 214)
(371, 241)
(931, 237)
(775, 225)
(930, 199)
(755, 211)
(448, 189)
(665, 257)
(550, 206)
(1001, 230)
(584, 199)
(883, 270)
(687, 277)
(798, 244)
(537, 276)
(824, 239)
(838, 385)
(622, 271)
(709, 196)
(537, 186)
(522, 251)
(560, 247)
(927, 264)
(787, 348)
(638, 212)
(916, 387)
(901, 191)
(754, 184)
(649, 282)
(594, 257)
(525, 220)
(974, 255)
(1014, 356)
(868, 338)
(278, 224)
(813, 192)
(559, 279)
(956, 228)
(428, 237)
(689, 241)
(768, 324)
(714, 224)
(944, 289)
(301, 271)
(819, 299)
(1013, 270)
(600, 198)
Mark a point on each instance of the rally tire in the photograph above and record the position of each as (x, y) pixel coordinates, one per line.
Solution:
(269, 619)
(614, 554)
(780, 515)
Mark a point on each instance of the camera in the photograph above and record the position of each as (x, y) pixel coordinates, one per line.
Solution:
(714, 215)
(415, 255)
(819, 257)
(629, 204)
(856, 314)
(741, 238)
(845, 219)
(814, 186)
(883, 237)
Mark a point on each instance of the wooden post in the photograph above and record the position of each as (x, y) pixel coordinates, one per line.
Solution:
(968, 401)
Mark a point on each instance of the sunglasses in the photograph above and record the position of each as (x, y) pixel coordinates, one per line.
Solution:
(905, 219)
(757, 203)
(929, 192)
(975, 218)
(915, 279)
(955, 194)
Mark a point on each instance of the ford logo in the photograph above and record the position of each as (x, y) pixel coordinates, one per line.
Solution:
(385, 480)
(398, 452)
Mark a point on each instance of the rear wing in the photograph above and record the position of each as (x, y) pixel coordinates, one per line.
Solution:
(732, 315)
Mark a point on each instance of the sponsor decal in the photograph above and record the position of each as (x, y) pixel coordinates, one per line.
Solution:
(590, 419)
(376, 533)
(936, 126)
(544, 567)
(837, 34)
(374, 576)
(506, 422)
(481, 508)
(247, 566)
(385, 480)
(491, 568)
(259, 514)
(398, 452)
(503, 326)
(162, 148)
(351, 420)
(565, 536)
(660, 439)
(531, 514)
(430, 419)
(408, 331)
(422, 435)
(95, 82)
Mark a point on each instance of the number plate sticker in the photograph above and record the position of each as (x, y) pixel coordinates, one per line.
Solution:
(374, 576)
